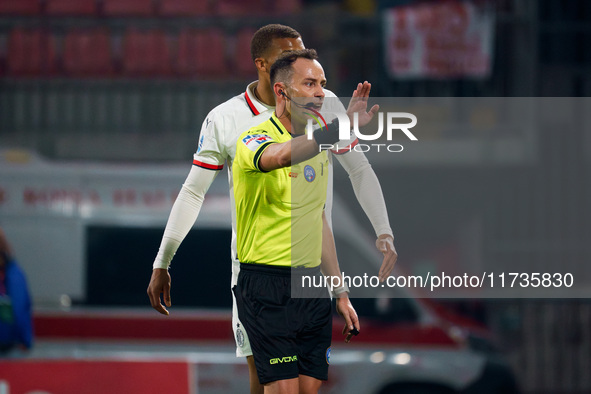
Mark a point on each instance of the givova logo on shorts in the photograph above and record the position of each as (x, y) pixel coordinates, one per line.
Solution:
(281, 360)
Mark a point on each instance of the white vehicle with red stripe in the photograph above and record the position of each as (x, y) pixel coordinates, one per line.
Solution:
(78, 228)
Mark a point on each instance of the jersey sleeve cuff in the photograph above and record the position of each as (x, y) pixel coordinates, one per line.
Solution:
(342, 151)
(160, 265)
(258, 154)
(214, 167)
(385, 231)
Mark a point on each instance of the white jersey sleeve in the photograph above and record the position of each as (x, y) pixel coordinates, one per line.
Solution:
(363, 179)
(367, 190)
(184, 213)
(211, 151)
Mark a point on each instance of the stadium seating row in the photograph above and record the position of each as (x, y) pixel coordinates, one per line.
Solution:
(95, 52)
(148, 7)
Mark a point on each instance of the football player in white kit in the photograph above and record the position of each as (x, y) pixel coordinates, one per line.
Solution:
(217, 145)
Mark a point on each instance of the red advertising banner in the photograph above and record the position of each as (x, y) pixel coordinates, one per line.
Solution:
(94, 377)
(447, 39)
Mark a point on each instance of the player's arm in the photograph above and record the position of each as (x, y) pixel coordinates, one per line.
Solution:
(369, 194)
(365, 182)
(329, 266)
(207, 162)
(180, 221)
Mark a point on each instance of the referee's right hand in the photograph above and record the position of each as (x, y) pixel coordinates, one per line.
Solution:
(345, 309)
(159, 284)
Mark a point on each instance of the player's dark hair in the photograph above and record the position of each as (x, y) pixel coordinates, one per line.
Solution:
(282, 69)
(262, 39)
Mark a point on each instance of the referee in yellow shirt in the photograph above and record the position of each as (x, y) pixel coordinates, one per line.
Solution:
(280, 182)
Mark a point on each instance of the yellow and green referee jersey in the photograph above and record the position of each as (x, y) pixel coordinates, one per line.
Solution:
(278, 213)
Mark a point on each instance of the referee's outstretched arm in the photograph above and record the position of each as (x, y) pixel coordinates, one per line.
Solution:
(285, 154)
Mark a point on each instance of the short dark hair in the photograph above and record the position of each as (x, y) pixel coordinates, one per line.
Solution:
(262, 39)
(282, 69)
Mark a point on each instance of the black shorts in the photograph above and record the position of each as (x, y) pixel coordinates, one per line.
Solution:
(288, 336)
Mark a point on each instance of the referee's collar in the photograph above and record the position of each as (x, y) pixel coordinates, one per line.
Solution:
(256, 107)
(279, 126)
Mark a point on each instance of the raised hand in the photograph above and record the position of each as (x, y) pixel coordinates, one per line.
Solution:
(358, 104)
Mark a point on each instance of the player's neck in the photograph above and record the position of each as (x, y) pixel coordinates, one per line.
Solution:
(263, 93)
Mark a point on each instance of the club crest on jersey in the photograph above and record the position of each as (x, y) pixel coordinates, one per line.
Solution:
(253, 141)
(309, 173)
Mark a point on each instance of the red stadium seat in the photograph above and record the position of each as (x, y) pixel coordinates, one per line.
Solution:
(183, 8)
(287, 7)
(243, 63)
(201, 53)
(30, 53)
(20, 7)
(87, 53)
(128, 7)
(71, 7)
(241, 7)
(146, 54)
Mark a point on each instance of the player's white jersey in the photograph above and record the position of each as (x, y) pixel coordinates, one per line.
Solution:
(223, 125)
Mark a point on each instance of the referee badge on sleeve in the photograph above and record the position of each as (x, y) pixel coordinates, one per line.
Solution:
(328, 356)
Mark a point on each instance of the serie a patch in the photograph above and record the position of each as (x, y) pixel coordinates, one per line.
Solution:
(253, 141)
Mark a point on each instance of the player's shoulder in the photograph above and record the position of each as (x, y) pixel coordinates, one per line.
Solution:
(332, 104)
(329, 93)
(255, 125)
(230, 108)
(260, 122)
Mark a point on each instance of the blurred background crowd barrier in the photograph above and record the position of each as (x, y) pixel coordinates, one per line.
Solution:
(131, 71)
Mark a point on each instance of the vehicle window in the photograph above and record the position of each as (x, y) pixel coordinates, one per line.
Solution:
(200, 270)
